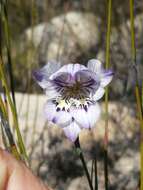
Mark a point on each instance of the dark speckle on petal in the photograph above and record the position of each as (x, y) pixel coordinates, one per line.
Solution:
(63, 109)
(58, 109)
(72, 119)
(54, 120)
(85, 108)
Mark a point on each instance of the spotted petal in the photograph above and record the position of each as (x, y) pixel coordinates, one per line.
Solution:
(87, 118)
(61, 118)
(72, 131)
(42, 75)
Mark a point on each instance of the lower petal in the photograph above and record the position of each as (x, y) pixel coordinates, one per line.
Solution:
(61, 118)
(72, 131)
(93, 115)
(80, 116)
(87, 118)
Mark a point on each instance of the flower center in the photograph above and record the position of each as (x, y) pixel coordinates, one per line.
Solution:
(66, 105)
(73, 91)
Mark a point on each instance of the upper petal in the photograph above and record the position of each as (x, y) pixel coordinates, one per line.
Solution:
(69, 68)
(42, 75)
(95, 65)
(86, 118)
(62, 79)
(51, 91)
(61, 118)
(98, 94)
(106, 77)
(72, 131)
(88, 80)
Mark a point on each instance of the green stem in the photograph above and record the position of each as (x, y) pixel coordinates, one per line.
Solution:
(106, 168)
(92, 171)
(107, 60)
(96, 176)
(137, 89)
(8, 48)
(77, 145)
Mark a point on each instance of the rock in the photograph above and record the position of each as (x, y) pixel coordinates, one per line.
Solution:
(122, 58)
(78, 183)
(65, 36)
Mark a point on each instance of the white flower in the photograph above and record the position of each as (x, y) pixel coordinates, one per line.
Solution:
(72, 93)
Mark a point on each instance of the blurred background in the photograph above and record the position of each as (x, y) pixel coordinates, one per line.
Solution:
(75, 31)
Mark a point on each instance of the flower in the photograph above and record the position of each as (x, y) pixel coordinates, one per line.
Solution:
(72, 93)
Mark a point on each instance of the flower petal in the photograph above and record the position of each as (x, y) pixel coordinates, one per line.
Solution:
(98, 94)
(95, 65)
(62, 79)
(69, 68)
(87, 118)
(42, 75)
(88, 80)
(51, 91)
(72, 131)
(106, 77)
(61, 118)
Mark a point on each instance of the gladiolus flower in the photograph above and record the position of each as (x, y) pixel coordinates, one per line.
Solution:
(72, 94)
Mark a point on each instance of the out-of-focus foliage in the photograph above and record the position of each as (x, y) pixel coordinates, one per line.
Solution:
(20, 11)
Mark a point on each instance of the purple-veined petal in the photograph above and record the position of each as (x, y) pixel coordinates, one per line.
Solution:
(72, 131)
(95, 65)
(86, 118)
(106, 77)
(63, 79)
(42, 75)
(98, 94)
(61, 118)
(88, 81)
(69, 68)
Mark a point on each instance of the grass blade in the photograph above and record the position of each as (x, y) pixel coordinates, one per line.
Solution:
(107, 60)
(137, 90)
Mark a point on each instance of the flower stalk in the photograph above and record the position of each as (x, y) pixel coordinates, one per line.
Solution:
(77, 145)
